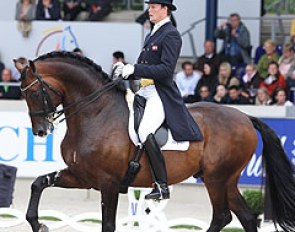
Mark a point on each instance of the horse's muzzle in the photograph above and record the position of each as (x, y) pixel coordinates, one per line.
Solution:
(43, 130)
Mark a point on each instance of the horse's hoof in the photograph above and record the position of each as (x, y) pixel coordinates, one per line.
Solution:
(43, 228)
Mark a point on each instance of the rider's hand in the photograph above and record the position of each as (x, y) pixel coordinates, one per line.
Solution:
(128, 69)
(118, 69)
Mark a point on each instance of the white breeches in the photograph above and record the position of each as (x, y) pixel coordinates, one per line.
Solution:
(154, 114)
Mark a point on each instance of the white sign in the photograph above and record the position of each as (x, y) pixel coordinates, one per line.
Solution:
(33, 156)
(97, 40)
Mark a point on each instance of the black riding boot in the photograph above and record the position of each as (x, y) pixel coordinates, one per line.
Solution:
(158, 167)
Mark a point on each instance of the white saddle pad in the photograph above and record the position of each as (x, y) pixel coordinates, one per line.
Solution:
(171, 143)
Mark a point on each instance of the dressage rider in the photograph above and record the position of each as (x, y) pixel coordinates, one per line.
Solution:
(155, 68)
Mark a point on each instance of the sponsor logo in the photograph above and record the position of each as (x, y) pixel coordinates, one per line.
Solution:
(57, 39)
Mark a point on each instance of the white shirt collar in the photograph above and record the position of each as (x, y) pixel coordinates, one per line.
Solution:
(160, 24)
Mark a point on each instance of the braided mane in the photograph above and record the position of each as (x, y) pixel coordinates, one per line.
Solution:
(71, 55)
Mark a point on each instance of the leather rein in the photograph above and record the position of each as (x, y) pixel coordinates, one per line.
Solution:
(50, 111)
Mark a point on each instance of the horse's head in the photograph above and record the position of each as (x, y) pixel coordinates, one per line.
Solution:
(42, 97)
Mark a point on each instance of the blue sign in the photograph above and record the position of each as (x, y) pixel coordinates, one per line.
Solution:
(284, 128)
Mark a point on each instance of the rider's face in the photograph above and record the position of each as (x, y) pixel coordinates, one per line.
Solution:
(157, 12)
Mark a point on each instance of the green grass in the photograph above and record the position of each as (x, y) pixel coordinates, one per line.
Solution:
(233, 230)
(7, 216)
(50, 218)
(55, 219)
(92, 221)
(189, 227)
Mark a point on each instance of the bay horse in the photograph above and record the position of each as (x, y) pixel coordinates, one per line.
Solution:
(96, 147)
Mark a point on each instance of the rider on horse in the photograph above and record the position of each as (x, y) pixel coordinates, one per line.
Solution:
(155, 68)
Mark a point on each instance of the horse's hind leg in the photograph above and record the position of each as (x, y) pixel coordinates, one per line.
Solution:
(238, 205)
(59, 179)
(221, 212)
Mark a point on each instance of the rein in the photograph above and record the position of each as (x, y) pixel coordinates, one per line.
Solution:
(49, 110)
(90, 98)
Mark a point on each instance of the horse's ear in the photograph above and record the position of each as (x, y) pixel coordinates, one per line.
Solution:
(19, 65)
(32, 66)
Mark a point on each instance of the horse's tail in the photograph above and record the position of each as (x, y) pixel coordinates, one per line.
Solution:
(279, 177)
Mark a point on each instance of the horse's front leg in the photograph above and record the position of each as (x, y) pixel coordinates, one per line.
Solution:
(62, 179)
(109, 203)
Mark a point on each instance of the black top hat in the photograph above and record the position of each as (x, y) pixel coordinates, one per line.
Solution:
(169, 3)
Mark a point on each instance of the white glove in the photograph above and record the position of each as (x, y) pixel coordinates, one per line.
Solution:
(127, 70)
(118, 69)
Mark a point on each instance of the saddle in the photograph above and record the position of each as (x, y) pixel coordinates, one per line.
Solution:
(161, 134)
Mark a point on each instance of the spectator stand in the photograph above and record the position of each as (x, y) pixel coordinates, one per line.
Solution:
(128, 5)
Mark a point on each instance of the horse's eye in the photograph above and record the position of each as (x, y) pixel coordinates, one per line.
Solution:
(36, 96)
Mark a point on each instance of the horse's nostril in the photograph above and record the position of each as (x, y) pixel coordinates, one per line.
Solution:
(41, 133)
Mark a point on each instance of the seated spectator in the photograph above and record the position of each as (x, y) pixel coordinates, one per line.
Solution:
(208, 79)
(274, 79)
(205, 95)
(280, 98)
(209, 57)
(291, 86)
(234, 81)
(24, 14)
(287, 60)
(234, 97)
(6, 91)
(269, 56)
(236, 37)
(250, 82)
(73, 10)
(48, 10)
(220, 94)
(224, 74)
(262, 97)
(187, 79)
(99, 9)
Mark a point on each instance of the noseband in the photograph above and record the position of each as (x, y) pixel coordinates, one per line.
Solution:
(49, 110)
(48, 107)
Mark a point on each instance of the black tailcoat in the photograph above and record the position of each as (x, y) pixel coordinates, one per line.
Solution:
(157, 61)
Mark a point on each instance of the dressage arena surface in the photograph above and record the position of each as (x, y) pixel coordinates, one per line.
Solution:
(186, 201)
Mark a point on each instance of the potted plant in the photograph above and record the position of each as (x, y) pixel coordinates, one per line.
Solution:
(255, 200)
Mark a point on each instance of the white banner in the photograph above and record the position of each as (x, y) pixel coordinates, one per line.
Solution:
(97, 40)
(33, 156)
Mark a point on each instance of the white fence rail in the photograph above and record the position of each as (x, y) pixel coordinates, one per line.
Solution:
(143, 216)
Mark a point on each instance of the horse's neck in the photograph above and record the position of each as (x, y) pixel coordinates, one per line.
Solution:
(99, 117)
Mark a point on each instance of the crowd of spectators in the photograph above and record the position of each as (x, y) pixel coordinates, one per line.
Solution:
(68, 10)
(231, 76)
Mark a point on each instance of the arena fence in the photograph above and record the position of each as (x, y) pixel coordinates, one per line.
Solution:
(144, 216)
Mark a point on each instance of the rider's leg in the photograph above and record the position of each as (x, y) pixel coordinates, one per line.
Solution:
(158, 167)
(152, 119)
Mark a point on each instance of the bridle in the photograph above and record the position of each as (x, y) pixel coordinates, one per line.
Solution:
(49, 110)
